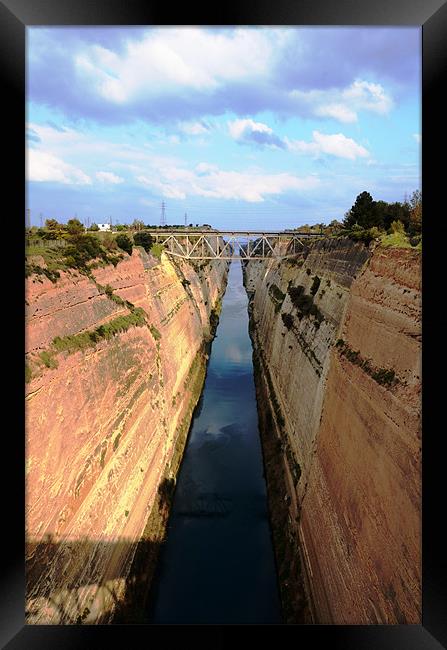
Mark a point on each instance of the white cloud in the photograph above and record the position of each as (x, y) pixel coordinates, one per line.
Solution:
(174, 182)
(193, 128)
(174, 58)
(368, 96)
(43, 166)
(203, 168)
(109, 177)
(238, 128)
(417, 137)
(337, 111)
(335, 145)
(344, 105)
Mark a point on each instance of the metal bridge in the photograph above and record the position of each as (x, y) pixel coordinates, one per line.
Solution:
(231, 244)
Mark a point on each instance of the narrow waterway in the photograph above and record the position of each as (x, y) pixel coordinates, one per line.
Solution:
(217, 565)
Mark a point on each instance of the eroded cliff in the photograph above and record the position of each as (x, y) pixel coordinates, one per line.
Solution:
(336, 337)
(115, 365)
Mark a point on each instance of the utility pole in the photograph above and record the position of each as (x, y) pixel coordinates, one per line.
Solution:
(186, 219)
(41, 220)
(163, 216)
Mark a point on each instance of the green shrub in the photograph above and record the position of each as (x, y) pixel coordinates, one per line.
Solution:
(28, 374)
(397, 226)
(395, 240)
(125, 243)
(108, 290)
(365, 235)
(315, 285)
(276, 293)
(157, 250)
(384, 376)
(109, 242)
(143, 239)
(155, 333)
(287, 319)
(48, 360)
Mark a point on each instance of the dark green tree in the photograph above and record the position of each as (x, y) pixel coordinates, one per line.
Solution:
(143, 239)
(125, 243)
(363, 212)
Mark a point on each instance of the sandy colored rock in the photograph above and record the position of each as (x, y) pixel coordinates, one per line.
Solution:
(354, 442)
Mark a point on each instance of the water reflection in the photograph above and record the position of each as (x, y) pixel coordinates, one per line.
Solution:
(217, 565)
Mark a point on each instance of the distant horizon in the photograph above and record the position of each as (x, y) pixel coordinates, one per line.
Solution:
(247, 127)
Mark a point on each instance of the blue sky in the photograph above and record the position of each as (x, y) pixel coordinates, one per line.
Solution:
(236, 127)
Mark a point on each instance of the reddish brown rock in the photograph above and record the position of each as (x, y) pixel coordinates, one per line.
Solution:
(102, 427)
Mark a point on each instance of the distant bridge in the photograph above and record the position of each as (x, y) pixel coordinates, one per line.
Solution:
(231, 244)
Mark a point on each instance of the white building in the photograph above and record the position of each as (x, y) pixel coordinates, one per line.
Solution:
(104, 226)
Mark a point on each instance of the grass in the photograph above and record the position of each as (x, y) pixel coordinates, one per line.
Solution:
(157, 250)
(74, 342)
(48, 359)
(155, 333)
(81, 253)
(398, 240)
(28, 374)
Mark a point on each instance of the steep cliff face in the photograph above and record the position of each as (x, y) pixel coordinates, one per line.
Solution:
(337, 345)
(116, 362)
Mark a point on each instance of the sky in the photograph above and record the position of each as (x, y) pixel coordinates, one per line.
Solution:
(259, 127)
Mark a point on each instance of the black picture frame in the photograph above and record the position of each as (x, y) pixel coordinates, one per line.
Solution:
(431, 15)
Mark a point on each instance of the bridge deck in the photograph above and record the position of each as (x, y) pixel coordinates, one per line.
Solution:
(230, 244)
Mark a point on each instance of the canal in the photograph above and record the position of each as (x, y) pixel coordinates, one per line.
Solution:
(217, 565)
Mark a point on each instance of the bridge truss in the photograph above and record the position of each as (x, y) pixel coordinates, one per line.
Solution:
(243, 245)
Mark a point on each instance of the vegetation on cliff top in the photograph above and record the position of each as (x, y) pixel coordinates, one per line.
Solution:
(69, 246)
(390, 224)
(397, 224)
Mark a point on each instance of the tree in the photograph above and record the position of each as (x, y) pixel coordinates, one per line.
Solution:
(143, 239)
(75, 227)
(415, 212)
(363, 212)
(53, 224)
(94, 227)
(125, 243)
(137, 224)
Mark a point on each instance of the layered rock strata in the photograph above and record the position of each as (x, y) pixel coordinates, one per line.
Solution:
(336, 337)
(116, 361)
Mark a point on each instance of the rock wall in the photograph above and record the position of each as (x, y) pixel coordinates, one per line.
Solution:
(337, 349)
(106, 425)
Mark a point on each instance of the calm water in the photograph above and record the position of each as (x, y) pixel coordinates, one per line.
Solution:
(217, 565)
